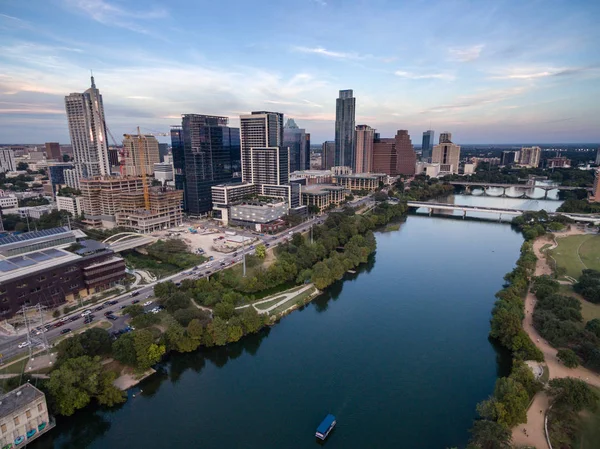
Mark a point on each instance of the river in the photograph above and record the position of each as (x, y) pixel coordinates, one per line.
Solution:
(399, 352)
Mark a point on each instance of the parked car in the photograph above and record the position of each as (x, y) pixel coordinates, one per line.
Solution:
(86, 312)
(112, 317)
(109, 313)
(59, 324)
(99, 308)
(65, 331)
(147, 303)
(113, 302)
(208, 272)
(75, 318)
(88, 319)
(135, 301)
(134, 293)
(23, 345)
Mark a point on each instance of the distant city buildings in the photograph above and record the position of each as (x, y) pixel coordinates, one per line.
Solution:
(113, 157)
(163, 172)
(345, 113)
(163, 150)
(7, 160)
(394, 156)
(427, 145)
(72, 204)
(509, 158)
(327, 155)
(598, 156)
(447, 154)
(364, 148)
(53, 151)
(87, 128)
(558, 162)
(178, 154)
(446, 137)
(530, 157)
(140, 154)
(298, 142)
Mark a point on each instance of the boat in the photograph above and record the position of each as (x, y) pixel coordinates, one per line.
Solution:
(325, 427)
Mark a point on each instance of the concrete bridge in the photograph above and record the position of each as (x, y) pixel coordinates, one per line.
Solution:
(587, 218)
(529, 186)
(128, 240)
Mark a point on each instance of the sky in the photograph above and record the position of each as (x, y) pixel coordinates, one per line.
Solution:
(501, 71)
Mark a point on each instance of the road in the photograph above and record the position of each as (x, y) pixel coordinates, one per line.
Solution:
(75, 321)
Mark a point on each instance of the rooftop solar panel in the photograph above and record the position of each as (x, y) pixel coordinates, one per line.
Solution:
(38, 257)
(54, 253)
(7, 266)
(32, 235)
(21, 261)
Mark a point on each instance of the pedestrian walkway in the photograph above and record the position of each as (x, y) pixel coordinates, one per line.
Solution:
(285, 297)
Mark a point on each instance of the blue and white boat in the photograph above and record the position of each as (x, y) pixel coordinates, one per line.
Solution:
(325, 427)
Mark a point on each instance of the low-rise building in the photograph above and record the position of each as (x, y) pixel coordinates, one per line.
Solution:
(323, 195)
(359, 181)
(163, 172)
(8, 201)
(558, 162)
(31, 211)
(469, 168)
(23, 416)
(312, 176)
(73, 204)
(257, 214)
(428, 169)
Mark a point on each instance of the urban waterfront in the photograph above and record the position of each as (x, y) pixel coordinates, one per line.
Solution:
(398, 352)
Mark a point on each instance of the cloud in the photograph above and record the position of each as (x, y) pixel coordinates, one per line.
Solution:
(476, 100)
(465, 54)
(320, 2)
(113, 15)
(11, 17)
(532, 73)
(424, 76)
(329, 53)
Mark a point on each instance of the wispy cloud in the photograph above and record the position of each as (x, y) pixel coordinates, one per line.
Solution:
(113, 15)
(6, 16)
(424, 76)
(320, 2)
(330, 53)
(476, 100)
(466, 54)
(532, 73)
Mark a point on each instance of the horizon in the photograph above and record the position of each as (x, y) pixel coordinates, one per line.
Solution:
(498, 74)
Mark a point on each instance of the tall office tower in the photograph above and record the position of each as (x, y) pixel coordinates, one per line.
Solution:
(406, 157)
(307, 160)
(446, 137)
(7, 160)
(163, 150)
(177, 151)
(294, 138)
(207, 142)
(327, 155)
(53, 150)
(141, 153)
(447, 155)
(113, 157)
(530, 157)
(364, 148)
(385, 158)
(270, 165)
(598, 156)
(56, 173)
(85, 114)
(427, 145)
(260, 129)
(345, 111)
(509, 157)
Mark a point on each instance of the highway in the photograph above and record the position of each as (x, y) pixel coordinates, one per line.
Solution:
(75, 321)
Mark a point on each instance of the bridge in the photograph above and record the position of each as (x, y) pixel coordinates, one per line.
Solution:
(128, 240)
(487, 185)
(589, 218)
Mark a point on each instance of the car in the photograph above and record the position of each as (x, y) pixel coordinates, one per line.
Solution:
(123, 306)
(234, 254)
(86, 312)
(222, 264)
(59, 324)
(75, 318)
(208, 272)
(147, 303)
(65, 331)
(23, 345)
(135, 301)
(267, 245)
(65, 319)
(134, 294)
(148, 296)
(113, 302)
(251, 246)
(194, 269)
(88, 319)
(112, 317)
(109, 313)
(99, 308)
(232, 262)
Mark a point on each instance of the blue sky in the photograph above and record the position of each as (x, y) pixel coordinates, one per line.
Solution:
(498, 71)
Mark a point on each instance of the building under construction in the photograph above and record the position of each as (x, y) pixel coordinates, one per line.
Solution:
(140, 153)
(164, 211)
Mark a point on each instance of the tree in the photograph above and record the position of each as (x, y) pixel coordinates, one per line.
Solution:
(568, 357)
(487, 434)
(176, 301)
(224, 310)
(133, 310)
(185, 316)
(164, 289)
(594, 327)
(251, 320)
(66, 158)
(22, 166)
(124, 351)
(572, 394)
(147, 353)
(260, 251)
(195, 330)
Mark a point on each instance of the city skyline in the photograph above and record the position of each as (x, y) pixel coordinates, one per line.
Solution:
(521, 73)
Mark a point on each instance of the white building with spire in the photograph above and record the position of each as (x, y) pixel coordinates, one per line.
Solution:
(87, 128)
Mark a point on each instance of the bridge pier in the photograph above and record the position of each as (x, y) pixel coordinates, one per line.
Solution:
(430, 211)
(545, 194)
(464, 214)
(500, 217)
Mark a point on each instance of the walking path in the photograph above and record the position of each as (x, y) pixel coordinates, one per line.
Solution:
(535, 431)
(286, 296)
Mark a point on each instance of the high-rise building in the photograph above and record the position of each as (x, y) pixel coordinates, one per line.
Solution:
(270, 165)
(56, 173)
(509, 157)
(307, 161)
(141, 153)
(178, 153)
(260, 129)
(405, 154)
(447, 155)
(328, 155)
(113, 157)
(163, 150)
(208, 144)
(295, 139)
(427, 145)
(7, 160)
(364, 149)
(530, 157)
(85, 114)
(345, 112)
(446, 137)
(53, 150)
(598, 156)
(385, 157)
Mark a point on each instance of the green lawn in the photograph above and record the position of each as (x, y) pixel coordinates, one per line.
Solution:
(589, 438)
(577, 252)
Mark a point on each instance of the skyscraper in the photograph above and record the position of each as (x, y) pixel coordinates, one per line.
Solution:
(384, 156)
(364, 148)
(307, 160)
(270, 165)
(207, 142)
(598, 156)
(405, 154)
(530, 157)
(163, 150)
(178, 153)
(327, 155)
(53, 150)
(260, 129)
(446, 154)
(345, 111)
(7, 160)
(446, 137)
(427, 145)
(85, 114)
(138, 149)
(294, 138)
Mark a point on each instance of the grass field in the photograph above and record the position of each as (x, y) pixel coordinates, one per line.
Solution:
(589, 438)
(576, 253)
(588, 309)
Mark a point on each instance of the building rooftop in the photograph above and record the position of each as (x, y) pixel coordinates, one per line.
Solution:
(18, 398)
(15, 266)
(362, 175)
(321, 188)
(33, 235)
(311, 173)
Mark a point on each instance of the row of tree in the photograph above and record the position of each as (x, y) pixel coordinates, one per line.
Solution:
(588, 285)
(534, 224)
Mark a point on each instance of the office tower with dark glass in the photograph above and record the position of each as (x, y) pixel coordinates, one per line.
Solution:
(260, 129)
(345, 111)
(296, 140)
(427, 145)
(327, 155)
(207, 144)
(85, 114)
(178, 154)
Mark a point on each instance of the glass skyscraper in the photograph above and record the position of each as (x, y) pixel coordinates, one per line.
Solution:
(345, 145)
(178, 154)
(296, 140)
(208, 148)
(427, 145)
